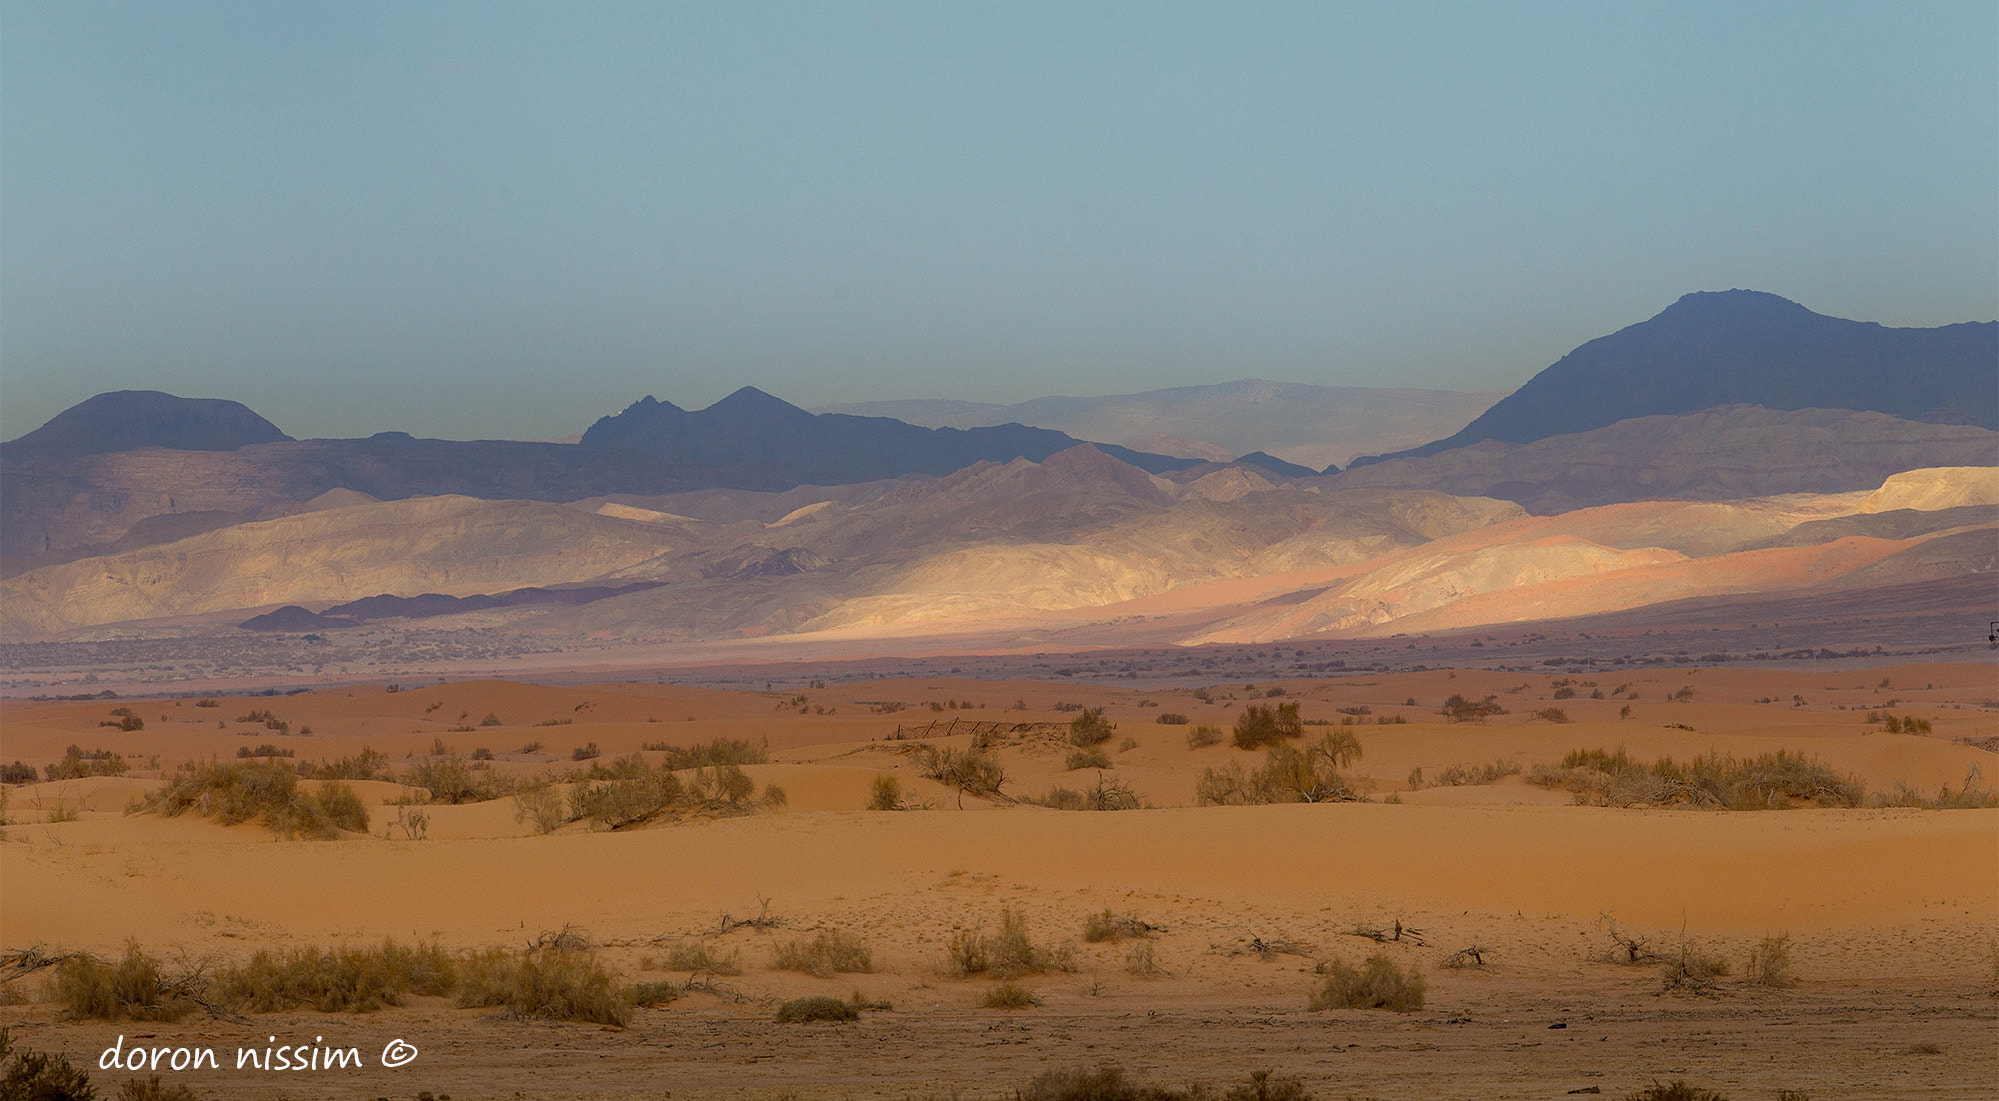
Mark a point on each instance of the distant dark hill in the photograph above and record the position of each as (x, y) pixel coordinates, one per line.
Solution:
(126, 420)
(1738, 347)
(293, 619)
(788, 446)
(1283, 469)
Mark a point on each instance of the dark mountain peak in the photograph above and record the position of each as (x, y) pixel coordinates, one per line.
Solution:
(1741, 347)
(1274, 465)
(127, 420)
(750, 403)
(1735, 305)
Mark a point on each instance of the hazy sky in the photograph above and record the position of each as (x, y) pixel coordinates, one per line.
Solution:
(506, 220)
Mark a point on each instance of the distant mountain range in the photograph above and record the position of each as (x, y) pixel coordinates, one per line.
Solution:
(1740, 347)
(1311, 426)
(1723, 395)
(783, 443)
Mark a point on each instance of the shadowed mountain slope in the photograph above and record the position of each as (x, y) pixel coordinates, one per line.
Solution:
(127, 420)
(753, 429)
(1717, 454)
(1739, 347)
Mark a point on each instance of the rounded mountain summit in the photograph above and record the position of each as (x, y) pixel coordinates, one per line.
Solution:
(1740, 347)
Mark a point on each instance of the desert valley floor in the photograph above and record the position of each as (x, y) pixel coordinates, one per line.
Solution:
(1892, 912)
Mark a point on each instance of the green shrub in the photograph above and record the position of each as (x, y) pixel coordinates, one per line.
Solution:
(1971, 796)
(1288, 775)
(541, 804)
(1090, 728)
(1378, 985)
(886, 793)
(826, 954)
(647, 995)
(1457, 709)
(975, 770)
(1087, 758)
(1170, 718)
(336, 980)
(1009, 953)
(1109, 925)
(262, 790)
(27, 1075)
(720, 751)
(816, 1008)
(1676, 1090)
(1770, 963)
(1204, 736)
(1770, 781)
(76, 764)
(1260, 726)
(693, 956)
(20, 772)
(569, 986)
(135, 988)
(1110, 793)
(1009, 995)
(1108, 1083)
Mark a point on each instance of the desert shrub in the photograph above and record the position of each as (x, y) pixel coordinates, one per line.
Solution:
(1380, 984)
(1692, 971)
(450, 778)
(582, 752)
(1108, 925)
(369, 765)
(1552, 714)
(1288, 775)
(1970, 796)
(1009, 995)
(1676, 1090)
(76, 763)
(1108, 1083)
(265, 750)
(28, 1075)
(636, 794)
(1170, 718)
(541, 804)
(1110, 793)
(1770, 781)
(136, 988)
(1464, 775)
(262, 790)
(974, 770)
(336, 980)
(20, 772)
(568, 986)
(886, 793)
(693, 956)
(1138, 960)
(818, 1007)
(1087, 758)
(149, 1088)
(1261, 726)
(1457, 709)
(1565, 693)
(1009, 953)
(647, 995)
(826, 954)
(1090, 728)
(1204, 736)
(1770, 962)
(720, 751)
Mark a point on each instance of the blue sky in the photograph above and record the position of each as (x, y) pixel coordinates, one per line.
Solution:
(508, 219)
